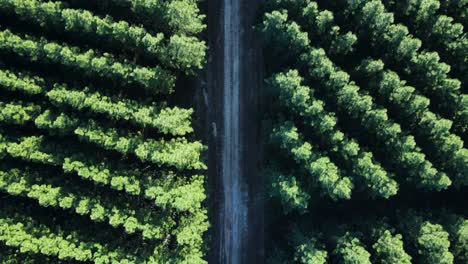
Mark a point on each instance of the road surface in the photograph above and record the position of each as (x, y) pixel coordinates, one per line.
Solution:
(231, 101)
(233, 223)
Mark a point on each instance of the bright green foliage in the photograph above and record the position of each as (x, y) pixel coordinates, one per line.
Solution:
(20, 82)
(389, 249)
(58, 123)
(190, 230)
(177, 15)
(300, 99)
(29, 149)
(18, 113)
(174, 121)
(288, 191)
(433, 244)
(319, 167)
(49, 193)
(308, 249)
(308, 253)
(23, 233)
(177, 152)
(89, 63)
(167, 190)
(181, 52)
(100, 164)
(350, 250)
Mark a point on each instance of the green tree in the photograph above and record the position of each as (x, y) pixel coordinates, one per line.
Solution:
(288, 190)
(274, 29)
(301, 101)
(394, 43)
(389, 248)
(308, 249)
(322, 170)
(350, 250)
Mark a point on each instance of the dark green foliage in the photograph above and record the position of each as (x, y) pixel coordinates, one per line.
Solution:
(438, 31)
(414, 108)
(318, 167)
(300, 99)
(458, 9)
(347, 96)
(423, 68)
(349, 83)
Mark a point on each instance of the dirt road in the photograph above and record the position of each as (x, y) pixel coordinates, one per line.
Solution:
(233, 82)
(233, 224)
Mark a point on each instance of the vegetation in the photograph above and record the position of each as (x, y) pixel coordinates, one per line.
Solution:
(367, 124)
(365, 115)
(100, 161)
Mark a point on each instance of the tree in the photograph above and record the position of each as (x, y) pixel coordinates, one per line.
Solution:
(350, 250)
(323, 171)
(389, 248)
(274, 29)
(308, 249)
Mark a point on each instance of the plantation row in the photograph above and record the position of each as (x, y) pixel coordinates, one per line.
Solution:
(177, 152)
(437, 30)
(365, 112)
(89, 63)
(179, 52)
(73, 241)
(159, 186)
(379, 241)
(175, 16)
(174, 121)
(98, 162)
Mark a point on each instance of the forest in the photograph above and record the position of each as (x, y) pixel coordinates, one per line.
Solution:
(112, 149)
(368, 123)
(98, 154)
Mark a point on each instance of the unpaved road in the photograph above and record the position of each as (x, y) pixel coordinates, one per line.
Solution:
(233, 224)
(233, 83)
